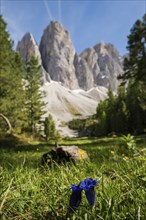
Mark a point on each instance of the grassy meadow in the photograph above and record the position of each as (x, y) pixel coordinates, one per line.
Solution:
(30, 191)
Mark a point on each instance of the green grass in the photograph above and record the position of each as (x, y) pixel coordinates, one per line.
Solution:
(30, 191)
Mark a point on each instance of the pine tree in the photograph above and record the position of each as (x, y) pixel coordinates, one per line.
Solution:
(135, 111)
(34, 104)
(11, 73)
(121, 111)
(49, 127)
(135, 64)
(135, 75)
(112, 113)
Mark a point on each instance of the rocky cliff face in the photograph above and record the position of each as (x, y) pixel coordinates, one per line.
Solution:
(28, 47)
(96, 66)
(83, 73)
(57, 54)
(110, 65)
(104, 64)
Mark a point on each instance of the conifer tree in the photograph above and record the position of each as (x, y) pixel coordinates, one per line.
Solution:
(135, 111)
(135, 64)
(135, 75)
(11, 73)
(49, 127)
(34, 104)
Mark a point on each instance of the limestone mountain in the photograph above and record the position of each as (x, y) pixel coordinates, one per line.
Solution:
(110, 64)
(57, 52)
(28, 47)
(96, 66)
(74, 84)
(102, 64)
(83, 73)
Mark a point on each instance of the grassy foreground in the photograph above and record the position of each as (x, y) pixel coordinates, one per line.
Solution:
(30, 191)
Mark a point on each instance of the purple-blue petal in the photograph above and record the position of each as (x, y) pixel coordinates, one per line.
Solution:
(95, 182)
(75, 188)
(88, 184)
(82, 185)
(90, 195)
(75, 199)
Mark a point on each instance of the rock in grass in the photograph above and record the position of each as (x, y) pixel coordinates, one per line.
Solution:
(64, 154)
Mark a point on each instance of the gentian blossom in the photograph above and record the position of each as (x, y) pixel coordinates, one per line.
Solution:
(75, 198)
(88, 186)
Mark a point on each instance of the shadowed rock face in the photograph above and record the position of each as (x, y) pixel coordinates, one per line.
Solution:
(57, 54)
(28, 47)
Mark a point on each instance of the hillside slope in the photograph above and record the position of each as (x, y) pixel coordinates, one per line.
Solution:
(65, 104)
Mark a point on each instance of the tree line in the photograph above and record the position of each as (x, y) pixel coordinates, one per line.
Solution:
(21, 100)
(124, 112)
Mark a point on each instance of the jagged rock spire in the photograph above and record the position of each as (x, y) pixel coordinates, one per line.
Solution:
(57, 52)
(28, 47)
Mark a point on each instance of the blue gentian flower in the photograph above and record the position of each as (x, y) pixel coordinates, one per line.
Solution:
(75, 198)
(88, 186)
(90, 195)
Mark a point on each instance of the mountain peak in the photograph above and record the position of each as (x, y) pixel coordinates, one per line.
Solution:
(28, 47)
(98, 65)
(29, 36)
(57, 52)
(57, 25)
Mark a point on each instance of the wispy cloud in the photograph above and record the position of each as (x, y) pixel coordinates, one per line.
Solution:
(87, 21)
(48, 10)
(14, 25)
(73, 17)
(59, 10)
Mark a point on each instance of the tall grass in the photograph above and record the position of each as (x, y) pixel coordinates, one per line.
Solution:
(30, 191)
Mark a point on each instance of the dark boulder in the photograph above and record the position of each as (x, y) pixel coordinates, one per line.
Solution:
(63, 154)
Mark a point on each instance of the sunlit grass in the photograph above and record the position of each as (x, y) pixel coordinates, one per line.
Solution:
(30, 191)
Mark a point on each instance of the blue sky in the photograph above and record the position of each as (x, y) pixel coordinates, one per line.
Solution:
(89, 22)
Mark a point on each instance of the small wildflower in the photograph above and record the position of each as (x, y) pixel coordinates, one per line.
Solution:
(125, 158)
(88, 186)
(75, 198)
(82, 153)
(112, 152)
